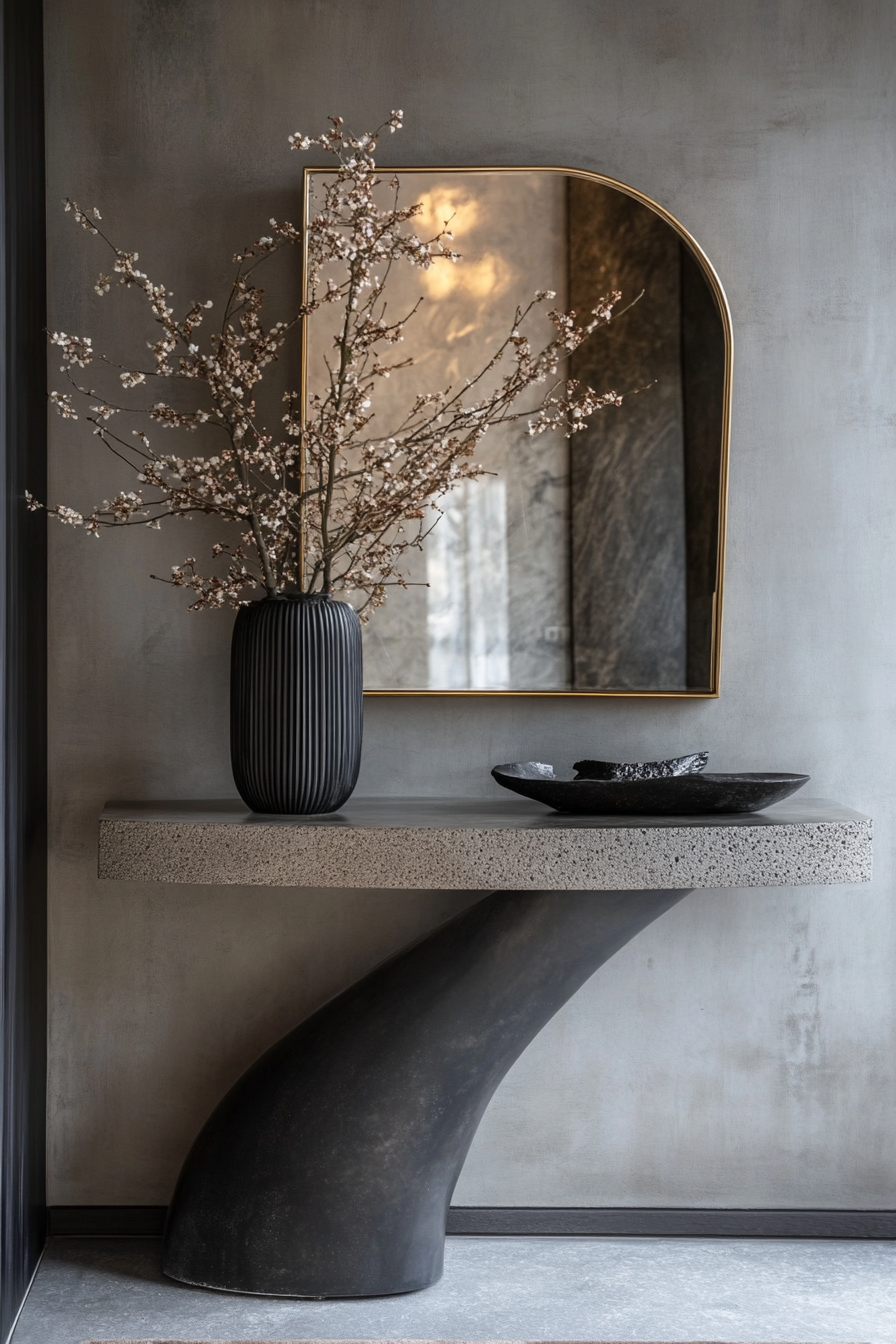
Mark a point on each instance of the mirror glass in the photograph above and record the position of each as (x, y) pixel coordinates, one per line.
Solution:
(589, 565)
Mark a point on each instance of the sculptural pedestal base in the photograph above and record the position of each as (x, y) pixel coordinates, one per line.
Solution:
(327, 1171)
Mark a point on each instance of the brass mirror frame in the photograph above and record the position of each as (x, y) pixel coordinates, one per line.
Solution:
(712, 693)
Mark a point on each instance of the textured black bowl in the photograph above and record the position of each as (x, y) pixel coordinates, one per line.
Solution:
(680, 795)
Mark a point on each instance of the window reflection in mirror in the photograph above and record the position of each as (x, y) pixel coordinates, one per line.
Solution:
(590, 564)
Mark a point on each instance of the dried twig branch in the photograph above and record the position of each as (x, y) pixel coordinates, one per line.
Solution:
(362, 500)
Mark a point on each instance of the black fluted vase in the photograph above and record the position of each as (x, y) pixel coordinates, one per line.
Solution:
(296, 703)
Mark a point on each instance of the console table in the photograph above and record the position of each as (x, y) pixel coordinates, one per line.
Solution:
(328, 1169)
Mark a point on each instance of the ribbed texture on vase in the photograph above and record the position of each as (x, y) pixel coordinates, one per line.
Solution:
(296, 703)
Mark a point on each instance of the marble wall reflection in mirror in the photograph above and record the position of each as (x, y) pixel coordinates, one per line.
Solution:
(589, 565)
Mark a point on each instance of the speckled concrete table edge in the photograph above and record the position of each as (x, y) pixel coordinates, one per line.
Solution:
(534, 853)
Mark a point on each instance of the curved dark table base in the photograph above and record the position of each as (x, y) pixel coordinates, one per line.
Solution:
(327, 1170)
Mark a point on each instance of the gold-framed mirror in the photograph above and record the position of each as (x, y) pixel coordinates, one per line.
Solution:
(583, 566)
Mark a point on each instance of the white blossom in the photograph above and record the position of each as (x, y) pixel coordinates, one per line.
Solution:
(331, 500)
(62, 403)
(76, 350)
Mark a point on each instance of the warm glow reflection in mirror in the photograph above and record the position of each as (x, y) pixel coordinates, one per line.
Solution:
(590, 566)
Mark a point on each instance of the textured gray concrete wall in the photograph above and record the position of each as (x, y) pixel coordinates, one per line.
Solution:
(739, 1052)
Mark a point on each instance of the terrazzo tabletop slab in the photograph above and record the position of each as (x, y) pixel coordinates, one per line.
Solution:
(476, 845)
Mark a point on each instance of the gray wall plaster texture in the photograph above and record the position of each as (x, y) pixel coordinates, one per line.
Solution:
(741, 1050)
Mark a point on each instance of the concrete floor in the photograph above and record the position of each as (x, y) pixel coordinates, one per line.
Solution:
(495, 1288)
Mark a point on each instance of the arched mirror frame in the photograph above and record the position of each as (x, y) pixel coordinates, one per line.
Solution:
(712, 692)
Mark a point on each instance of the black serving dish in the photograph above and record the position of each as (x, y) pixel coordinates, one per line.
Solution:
(673, 796)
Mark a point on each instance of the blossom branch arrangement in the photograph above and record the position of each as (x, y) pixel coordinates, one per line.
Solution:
(328, 501)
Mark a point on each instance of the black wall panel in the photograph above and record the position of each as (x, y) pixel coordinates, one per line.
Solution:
(22, 659)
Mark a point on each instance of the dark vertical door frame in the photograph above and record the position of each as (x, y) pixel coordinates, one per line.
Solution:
(23, 583)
